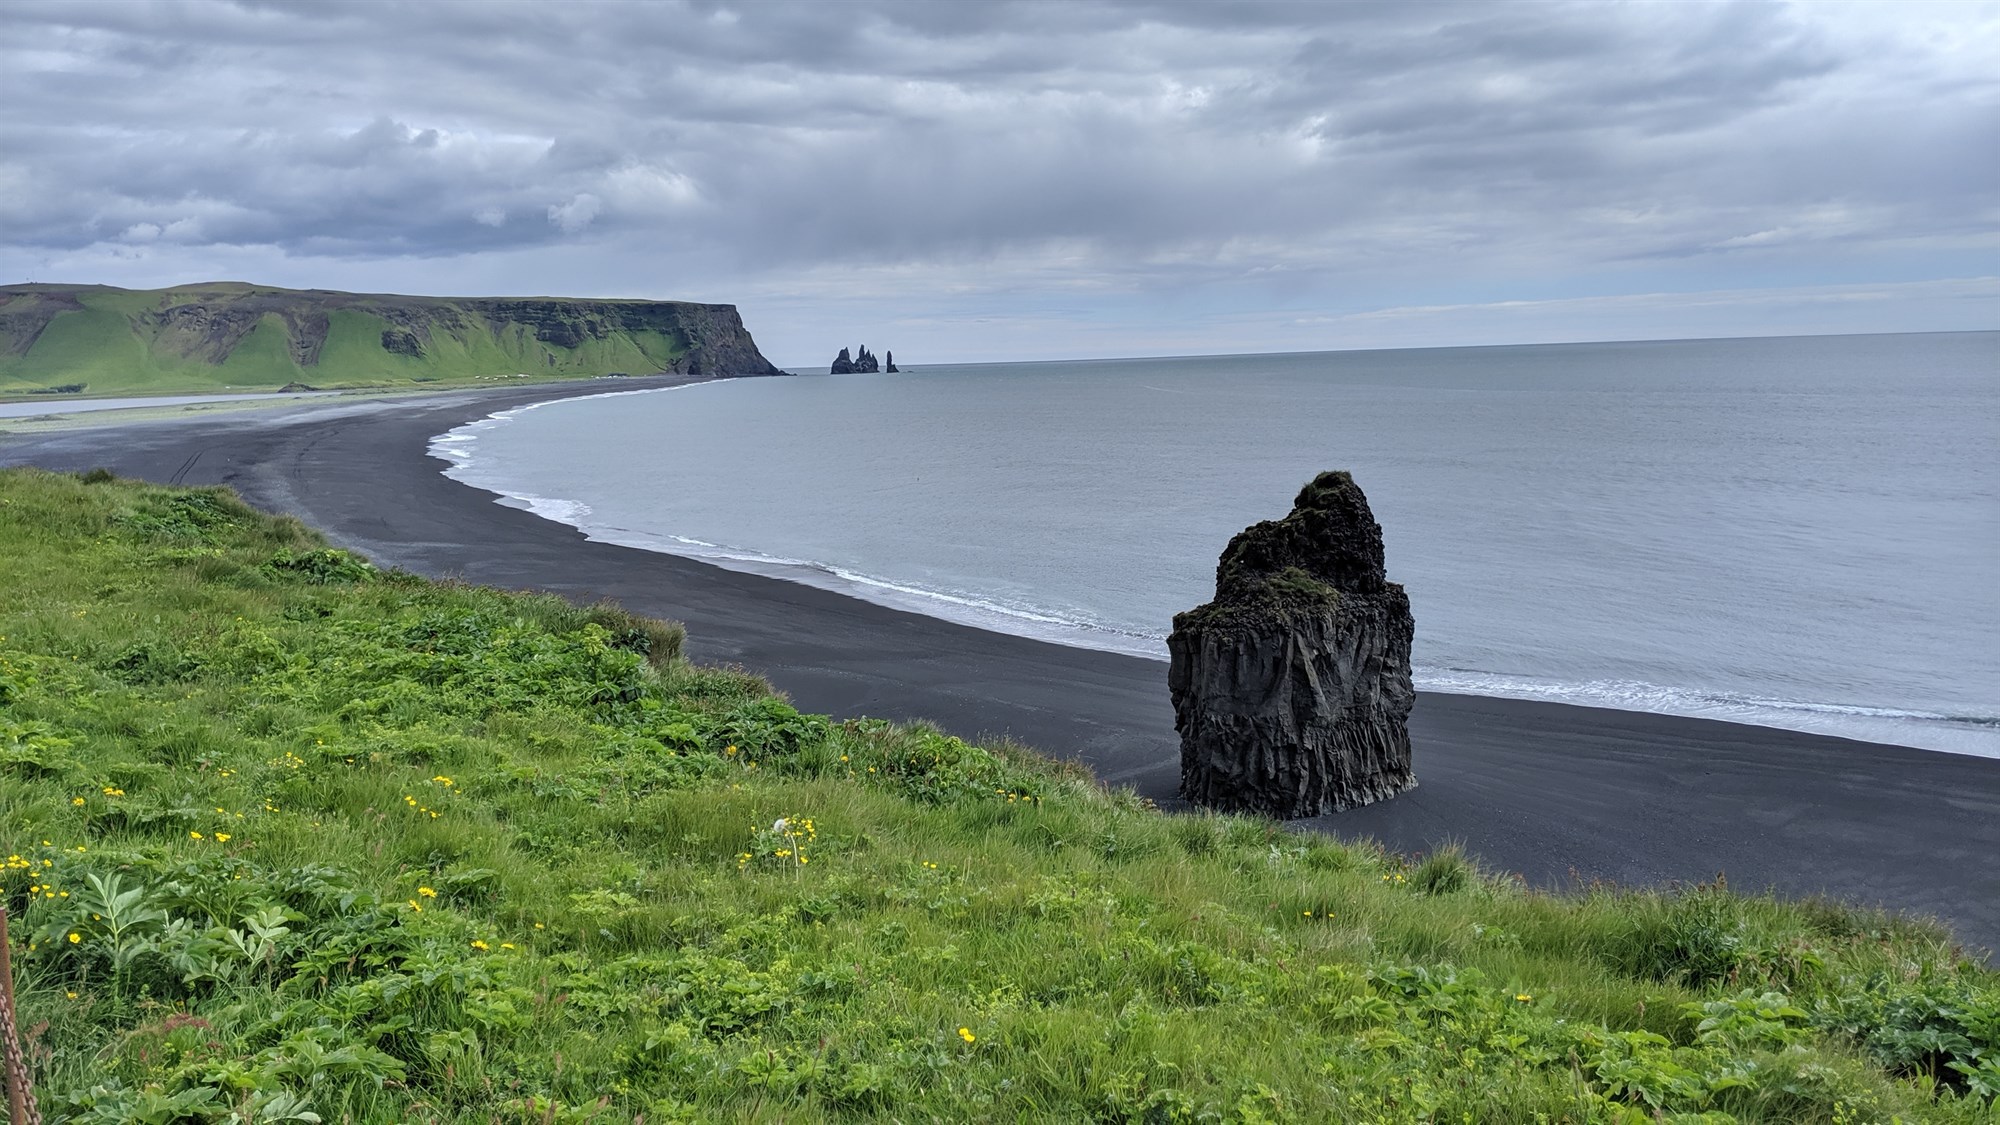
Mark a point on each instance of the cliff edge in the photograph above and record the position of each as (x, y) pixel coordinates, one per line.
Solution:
(245, 336)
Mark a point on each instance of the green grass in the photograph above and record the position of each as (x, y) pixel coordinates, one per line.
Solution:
(111, 345)
(95, 346)
(291, 838)
(263, 359)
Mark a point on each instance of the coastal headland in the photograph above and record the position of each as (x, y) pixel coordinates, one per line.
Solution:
(1562, 795)
(59, 341)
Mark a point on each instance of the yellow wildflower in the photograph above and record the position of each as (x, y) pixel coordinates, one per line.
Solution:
(477, 944)
(222, 837)
(76, 800)
(74, 937)
(966, 1034)
(427, 892)
(194, 836)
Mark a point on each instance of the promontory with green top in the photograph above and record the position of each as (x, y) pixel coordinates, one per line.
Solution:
(97, 339)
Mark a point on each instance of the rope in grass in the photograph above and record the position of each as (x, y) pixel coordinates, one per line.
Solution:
(21, 1107)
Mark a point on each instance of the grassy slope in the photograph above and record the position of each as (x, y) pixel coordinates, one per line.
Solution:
(104, 347)
(95, 346)
(294, 837)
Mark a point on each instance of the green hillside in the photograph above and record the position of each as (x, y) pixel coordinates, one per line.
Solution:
(228, 335)
(292, 839)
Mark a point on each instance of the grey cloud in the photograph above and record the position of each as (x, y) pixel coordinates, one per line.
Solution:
(790, 136)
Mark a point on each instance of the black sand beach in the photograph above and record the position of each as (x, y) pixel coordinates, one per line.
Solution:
(1554, 792)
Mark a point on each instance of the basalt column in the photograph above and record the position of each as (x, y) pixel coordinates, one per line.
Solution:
(1292, 688)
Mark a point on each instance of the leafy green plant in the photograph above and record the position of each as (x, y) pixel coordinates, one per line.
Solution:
(325, 566)
(1945, 1028)
(1749, 1019)
(34, 749)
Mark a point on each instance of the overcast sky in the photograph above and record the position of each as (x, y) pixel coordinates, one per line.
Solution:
(1019, 181)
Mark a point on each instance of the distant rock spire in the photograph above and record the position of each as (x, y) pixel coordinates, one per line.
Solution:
(858, 364)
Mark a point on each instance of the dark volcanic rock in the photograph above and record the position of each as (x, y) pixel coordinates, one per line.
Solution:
(889, 363)
(1292, 688)
(843, 364)
(401, 341)
(306, 330)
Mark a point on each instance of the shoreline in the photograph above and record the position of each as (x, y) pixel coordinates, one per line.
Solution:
(1560, 793)
(457, 451)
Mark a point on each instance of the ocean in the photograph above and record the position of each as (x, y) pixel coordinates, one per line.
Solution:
(1798, 532)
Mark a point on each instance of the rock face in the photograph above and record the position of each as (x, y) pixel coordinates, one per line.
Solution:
(889, 362)
(398, 341)
(843, 364)
(1292, 688)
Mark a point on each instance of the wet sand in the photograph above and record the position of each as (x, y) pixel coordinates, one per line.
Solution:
(1554, 792)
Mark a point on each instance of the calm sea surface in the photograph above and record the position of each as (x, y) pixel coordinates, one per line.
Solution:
(1796, 532)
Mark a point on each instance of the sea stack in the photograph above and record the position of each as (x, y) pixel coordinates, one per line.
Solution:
(843, 364)
(1292, 688)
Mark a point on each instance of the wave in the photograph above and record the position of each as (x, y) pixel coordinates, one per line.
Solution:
(1972, 734)
(964, 607)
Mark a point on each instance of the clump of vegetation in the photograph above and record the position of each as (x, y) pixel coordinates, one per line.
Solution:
(289, 838)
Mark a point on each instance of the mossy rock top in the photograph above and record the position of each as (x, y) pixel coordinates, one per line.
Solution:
(1328, 547)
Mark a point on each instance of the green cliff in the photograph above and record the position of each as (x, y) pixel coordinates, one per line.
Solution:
(229, 334)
